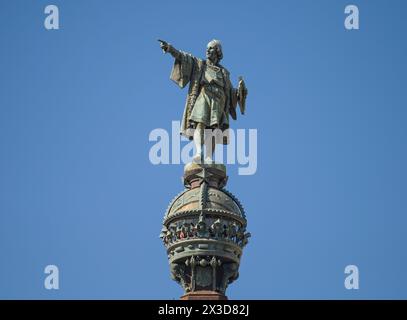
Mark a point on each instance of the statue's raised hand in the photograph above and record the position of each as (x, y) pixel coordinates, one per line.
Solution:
(165, 46)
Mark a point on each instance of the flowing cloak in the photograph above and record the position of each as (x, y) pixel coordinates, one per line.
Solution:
(189, 69)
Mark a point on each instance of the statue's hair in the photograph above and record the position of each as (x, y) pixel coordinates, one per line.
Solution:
(218, 45)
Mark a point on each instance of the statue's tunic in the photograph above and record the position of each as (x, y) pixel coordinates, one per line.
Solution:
(209, 107)
(211, 97)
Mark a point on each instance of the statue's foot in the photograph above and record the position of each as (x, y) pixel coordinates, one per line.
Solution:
(197, 158)
(209, 160)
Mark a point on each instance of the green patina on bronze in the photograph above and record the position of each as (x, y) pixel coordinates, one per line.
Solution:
(211, 97)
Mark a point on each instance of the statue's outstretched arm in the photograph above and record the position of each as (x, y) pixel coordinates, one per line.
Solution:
(168, 48)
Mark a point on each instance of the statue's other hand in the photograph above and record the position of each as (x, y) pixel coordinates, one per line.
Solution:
(242, 87)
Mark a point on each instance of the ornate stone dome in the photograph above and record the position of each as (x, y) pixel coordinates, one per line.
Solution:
(205, 198)
(204, 231)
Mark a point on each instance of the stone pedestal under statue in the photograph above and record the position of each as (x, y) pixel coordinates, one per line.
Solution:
(204, 232)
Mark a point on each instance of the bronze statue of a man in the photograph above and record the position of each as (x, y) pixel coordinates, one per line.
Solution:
(211, 96)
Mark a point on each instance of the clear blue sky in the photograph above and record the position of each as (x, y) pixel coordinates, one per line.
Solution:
(77, 188)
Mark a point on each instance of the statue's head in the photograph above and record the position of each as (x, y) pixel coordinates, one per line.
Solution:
(214, 51)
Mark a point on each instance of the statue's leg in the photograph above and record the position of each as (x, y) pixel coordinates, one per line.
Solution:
(199, 141)
(209, 145)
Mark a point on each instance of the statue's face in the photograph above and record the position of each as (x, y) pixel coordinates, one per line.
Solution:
(211, 53)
